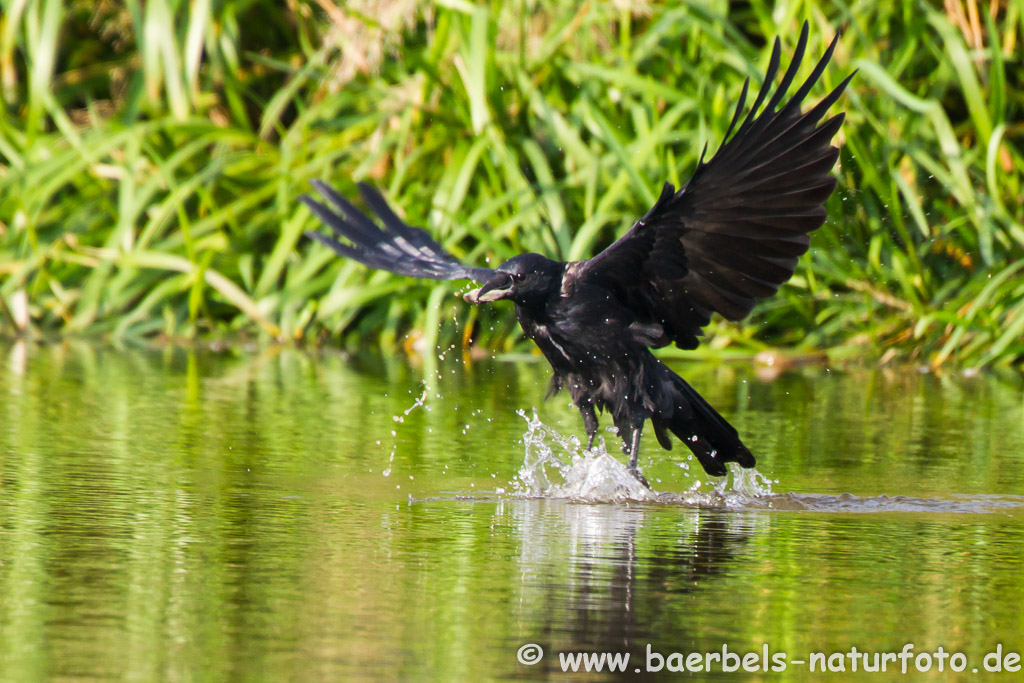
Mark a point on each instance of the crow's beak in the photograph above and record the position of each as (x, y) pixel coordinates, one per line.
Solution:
(498, 288)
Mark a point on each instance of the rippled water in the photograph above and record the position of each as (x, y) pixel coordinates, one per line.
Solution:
(284, 515)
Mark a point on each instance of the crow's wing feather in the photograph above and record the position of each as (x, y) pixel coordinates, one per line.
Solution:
(733, 234)
(398, 248)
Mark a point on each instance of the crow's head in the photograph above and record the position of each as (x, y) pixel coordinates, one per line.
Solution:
(523, 278)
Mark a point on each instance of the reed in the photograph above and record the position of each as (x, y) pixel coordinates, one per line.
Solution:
(151, 155)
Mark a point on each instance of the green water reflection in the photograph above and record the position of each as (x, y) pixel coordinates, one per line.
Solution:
(169, 515)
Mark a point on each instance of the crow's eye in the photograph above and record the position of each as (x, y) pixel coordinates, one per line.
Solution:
(519, 276)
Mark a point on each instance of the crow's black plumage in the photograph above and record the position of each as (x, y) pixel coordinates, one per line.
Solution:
(731, 236)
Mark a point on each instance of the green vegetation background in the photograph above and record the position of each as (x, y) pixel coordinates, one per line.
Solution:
(151, 155)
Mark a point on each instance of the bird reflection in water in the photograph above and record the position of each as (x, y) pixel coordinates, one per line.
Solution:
(614, 578)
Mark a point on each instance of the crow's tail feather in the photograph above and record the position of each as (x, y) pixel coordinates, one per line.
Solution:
(713, 440)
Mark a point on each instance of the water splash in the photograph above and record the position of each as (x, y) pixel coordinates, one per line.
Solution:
(557, 466)
(420, 402)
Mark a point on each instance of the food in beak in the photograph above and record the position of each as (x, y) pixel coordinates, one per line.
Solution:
(498, 288)
(484, 294)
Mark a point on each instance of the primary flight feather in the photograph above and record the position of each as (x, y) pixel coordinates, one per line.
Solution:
(730, 237)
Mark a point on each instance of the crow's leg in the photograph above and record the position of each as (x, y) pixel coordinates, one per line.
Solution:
(630, 434)
(634, 448)
(634, 454)
(589, 422)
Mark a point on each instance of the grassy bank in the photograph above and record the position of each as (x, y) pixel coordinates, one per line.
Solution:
(151, 156)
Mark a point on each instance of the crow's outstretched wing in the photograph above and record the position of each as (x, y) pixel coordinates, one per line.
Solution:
(398, 248)
(733, 234)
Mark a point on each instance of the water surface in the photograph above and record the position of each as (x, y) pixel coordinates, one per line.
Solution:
(283, 515)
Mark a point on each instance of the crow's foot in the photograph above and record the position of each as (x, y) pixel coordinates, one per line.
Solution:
(635, 471)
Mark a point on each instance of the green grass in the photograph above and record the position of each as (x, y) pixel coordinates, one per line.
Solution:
(151, 156)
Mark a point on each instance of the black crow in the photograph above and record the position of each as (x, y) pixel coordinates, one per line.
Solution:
(731, 236)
